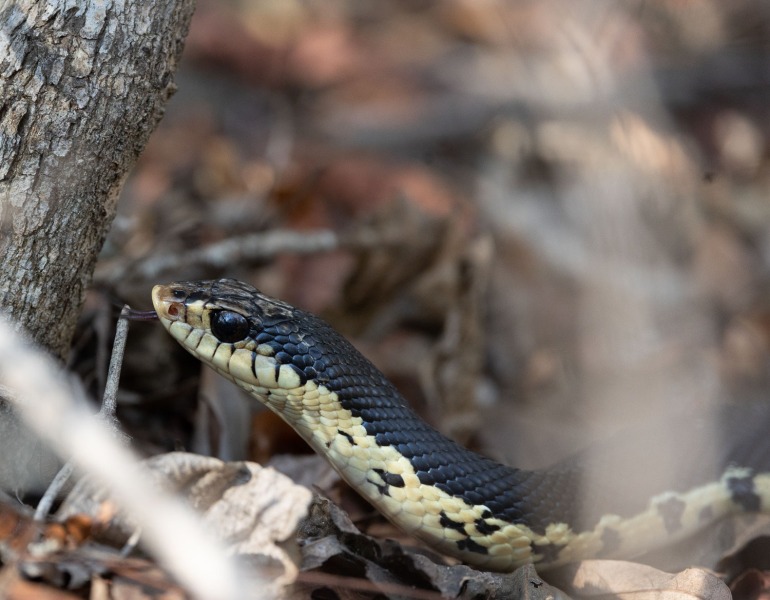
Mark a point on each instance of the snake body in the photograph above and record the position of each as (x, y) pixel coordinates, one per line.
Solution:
(461, 503)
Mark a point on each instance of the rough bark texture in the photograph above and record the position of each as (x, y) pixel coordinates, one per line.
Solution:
(82, 86)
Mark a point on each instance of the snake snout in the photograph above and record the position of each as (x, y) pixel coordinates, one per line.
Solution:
(168, 304)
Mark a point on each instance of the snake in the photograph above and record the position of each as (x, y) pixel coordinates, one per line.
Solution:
(460, 503)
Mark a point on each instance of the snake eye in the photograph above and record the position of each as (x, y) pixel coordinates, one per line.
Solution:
(229, 326)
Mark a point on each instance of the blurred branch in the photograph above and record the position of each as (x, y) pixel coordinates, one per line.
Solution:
(254, 247)
(222, 255)
(54, 407)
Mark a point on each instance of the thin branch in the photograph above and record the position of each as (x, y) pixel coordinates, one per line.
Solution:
(109, 400)
(107, 413)
(222, 255)
(52, 493)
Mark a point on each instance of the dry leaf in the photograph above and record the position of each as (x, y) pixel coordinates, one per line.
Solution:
(600, 578)
(251, 508)
(333, 546)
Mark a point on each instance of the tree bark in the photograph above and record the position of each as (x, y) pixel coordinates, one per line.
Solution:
(82, 86)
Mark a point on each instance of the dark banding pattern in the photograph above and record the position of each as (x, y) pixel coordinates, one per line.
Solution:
(347, 436)
(381, 487)
(485, 528)
(471, 546)
(390, 478)
(448, 523)
(743, 493)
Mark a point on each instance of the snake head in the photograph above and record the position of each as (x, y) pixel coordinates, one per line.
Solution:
(248, 337)
(290, 360)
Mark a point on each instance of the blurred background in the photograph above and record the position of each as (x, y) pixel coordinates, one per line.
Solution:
(549, 219)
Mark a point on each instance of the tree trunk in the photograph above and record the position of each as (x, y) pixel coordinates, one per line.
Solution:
(82, 86)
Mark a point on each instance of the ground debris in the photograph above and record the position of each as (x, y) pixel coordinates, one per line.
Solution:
(336, 554)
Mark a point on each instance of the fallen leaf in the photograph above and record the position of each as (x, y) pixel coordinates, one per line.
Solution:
(254, 510)
(332, 546)
(621, 579)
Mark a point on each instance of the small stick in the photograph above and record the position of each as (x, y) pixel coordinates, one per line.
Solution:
(52, 492)
(109, 399)
(109, 403)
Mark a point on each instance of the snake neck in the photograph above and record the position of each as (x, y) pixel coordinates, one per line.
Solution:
(421, 480)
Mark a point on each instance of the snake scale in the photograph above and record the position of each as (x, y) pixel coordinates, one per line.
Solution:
(461, 503)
